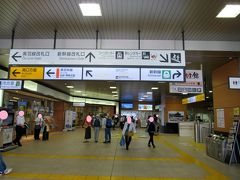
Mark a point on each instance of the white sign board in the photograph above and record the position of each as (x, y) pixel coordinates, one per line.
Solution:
(79, 104)
(220, 118)
(10, 84)
(193, 84)
(97, 57)
(162, 74)
(66, 73)
(234, 82)
(119, 74)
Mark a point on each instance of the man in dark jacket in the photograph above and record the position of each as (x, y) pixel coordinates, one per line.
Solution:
(151, 130)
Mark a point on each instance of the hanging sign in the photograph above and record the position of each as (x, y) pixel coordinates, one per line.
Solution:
(26, 72)
(63, 73)
(162, 74)
(10, 84)
(97, 57)
(119, 74)
(193, 84)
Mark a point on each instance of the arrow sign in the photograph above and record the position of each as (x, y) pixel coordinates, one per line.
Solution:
(177, 74)
(90, 55)
(88, 73)
(15, 56)
(15, 72)
(49, 72)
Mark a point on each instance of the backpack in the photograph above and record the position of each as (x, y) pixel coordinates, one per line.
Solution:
(96, 123)
(108, 123)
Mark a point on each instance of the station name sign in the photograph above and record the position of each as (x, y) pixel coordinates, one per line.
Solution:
(140, 58)
(10, 84)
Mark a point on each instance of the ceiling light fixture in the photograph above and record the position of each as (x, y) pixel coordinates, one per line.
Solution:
(149, 92)
(229, 11)
(154, 88)
(70, 87)
(78, 91)
(207, 97)
(90, 9)
(113, 87)
(115, 95)
(210, 91)
(114, 92)
(184, 93)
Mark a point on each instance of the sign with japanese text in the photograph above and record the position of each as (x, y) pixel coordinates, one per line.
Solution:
(162, 74)
(60, 73)
(119, 74)
(97, 57)
(10, 84)
(26, 72)
(193, 99)
(193, 84)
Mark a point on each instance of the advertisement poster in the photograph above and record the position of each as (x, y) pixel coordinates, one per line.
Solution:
(220, 118)
(175, 116)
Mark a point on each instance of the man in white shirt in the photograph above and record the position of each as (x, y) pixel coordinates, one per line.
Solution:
(19, 128)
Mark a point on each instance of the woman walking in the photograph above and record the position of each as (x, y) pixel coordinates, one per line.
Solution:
(38, 125)
(128, 131)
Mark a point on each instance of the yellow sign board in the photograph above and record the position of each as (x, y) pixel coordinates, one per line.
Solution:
(26, 72)
(200, 97)
(197, 98)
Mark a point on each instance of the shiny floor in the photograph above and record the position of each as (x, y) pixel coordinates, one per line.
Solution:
(65, 156)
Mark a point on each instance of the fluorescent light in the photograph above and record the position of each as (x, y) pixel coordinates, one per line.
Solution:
(70, 87)
(78, 91)
(114, 92)
(115, 95)
(140, 100)
(210, 91)
(90, 9)
(149, 92)
(15, 98)
(113, 87)
(154, 88)
(207, 97)
(184, 93)
(229, 11)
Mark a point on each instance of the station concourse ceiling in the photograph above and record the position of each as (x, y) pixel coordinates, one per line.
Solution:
(121, 19)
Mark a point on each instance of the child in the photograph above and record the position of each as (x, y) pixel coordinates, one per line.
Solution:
(46, 130)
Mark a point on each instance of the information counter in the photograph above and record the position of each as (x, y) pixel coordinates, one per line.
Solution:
(186, 129)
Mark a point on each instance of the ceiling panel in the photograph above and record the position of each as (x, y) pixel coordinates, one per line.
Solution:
(156, 19)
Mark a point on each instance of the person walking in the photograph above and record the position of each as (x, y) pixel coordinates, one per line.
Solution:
(20, 120)
(151, 131)
(96, 126)
(38, 125)
(128, 131)
(3, 167)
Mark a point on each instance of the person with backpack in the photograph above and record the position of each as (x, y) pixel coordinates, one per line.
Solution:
(96, 126)
(128, 131)
(108, 126)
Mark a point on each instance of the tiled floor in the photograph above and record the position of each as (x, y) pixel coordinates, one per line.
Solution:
(65, 156)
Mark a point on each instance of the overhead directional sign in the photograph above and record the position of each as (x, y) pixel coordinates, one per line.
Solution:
(119, 74)
(162, 74)
(26, 72)
(193, 84)
(97, 57)
(10, 84)
(66, 73)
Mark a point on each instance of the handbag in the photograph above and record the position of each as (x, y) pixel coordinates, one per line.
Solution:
(122, 141)
(130, 133)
